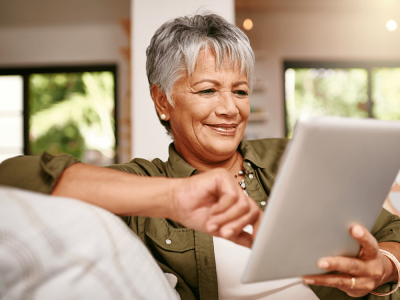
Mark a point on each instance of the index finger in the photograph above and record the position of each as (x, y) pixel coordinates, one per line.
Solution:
(235, 227)
(236, 214)
(227, 192)
(369, 245)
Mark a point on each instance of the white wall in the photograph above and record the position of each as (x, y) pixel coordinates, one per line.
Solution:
(69, 44)
(316, 34)
(148, 135)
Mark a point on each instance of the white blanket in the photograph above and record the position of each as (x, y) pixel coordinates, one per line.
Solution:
(60, 248)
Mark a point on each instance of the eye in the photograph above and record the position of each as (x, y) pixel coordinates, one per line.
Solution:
(207, 92)
(242, 93)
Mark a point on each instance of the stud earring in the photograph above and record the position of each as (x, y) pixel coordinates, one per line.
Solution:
(163, 117)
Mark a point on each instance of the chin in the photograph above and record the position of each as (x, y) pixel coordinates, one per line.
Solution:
(224, 147)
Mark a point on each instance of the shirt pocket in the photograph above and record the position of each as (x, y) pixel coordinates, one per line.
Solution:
(173, 247)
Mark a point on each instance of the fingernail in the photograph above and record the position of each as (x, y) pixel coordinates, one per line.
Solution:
(212, 228)
(227, 233)
(358, 231)
(309, 281)
(323, 264)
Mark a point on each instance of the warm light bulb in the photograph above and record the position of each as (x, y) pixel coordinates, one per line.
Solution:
(248, 24)
(391, 25)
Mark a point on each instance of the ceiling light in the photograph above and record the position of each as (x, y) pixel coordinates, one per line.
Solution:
(248, 24)
(391, 25)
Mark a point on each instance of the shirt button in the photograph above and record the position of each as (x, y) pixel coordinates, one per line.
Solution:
(168, 241)
(249, 164)
(251, 176)
(263, 203)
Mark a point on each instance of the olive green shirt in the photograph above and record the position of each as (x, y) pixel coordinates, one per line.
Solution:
(186, 253)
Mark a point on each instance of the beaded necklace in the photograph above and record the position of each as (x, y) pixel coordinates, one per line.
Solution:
(241, 183)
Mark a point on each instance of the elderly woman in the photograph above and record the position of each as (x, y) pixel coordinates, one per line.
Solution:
(199, 70)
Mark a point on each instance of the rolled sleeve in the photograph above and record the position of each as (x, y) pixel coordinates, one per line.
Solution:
(387, 227)
(34, 173)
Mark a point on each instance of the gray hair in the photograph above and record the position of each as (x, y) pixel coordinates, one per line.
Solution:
(175, 46)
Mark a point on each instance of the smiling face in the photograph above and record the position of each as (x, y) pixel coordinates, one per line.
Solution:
(211, 110)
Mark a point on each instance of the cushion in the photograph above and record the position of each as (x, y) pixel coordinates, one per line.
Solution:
(62, 248)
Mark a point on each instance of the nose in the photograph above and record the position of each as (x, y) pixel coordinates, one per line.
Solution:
(226, 105)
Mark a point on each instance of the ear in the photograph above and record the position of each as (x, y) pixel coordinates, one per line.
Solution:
(160, 101)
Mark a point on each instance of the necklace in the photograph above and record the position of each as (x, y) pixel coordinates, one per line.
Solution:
(242, 172)
(241, 183)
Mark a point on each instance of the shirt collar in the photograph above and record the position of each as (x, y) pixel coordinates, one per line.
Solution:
(177, 167)
(250, 154)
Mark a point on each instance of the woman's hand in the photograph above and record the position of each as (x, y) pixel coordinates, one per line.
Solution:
(357, 276)
(214, 203)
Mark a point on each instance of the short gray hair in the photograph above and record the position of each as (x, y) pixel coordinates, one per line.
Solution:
(175, 46)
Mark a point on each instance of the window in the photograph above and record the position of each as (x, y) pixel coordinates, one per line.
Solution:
(65, 110)
(11, 116)
(351, 89)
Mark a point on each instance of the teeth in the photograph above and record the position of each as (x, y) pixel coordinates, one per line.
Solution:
(230, 127)
(223, 129)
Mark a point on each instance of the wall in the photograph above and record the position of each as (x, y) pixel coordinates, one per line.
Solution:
(149, 136)
(59, 33)
(66, 45)
(315, 30)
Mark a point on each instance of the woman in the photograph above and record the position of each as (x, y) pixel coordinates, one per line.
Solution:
(199, 70)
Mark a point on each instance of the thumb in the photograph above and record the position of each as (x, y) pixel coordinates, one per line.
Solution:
(245, 239)
(257, 223)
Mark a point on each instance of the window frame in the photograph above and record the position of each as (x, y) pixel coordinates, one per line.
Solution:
(336, 64)
(25, 72)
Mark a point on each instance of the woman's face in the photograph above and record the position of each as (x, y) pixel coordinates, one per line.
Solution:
(211, 111)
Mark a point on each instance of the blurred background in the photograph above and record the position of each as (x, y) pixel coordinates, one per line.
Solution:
(72, 73)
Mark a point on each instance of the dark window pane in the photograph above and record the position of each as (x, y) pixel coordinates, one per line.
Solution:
(11, 118)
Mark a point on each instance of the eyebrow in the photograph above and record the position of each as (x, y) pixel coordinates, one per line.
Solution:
(241, 82)
(218, 83)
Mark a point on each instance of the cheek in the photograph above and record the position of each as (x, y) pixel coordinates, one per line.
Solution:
(244, 109)
(199, 112)
(186, 118)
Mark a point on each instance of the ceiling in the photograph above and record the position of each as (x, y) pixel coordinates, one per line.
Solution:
(15, 13)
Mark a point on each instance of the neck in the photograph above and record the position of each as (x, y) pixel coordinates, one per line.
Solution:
(232, 164)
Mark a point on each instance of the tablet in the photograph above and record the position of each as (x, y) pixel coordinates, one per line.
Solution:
(335, 172)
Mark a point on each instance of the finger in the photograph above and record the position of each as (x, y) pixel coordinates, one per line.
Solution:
(245, 239)
(256, 224)
(238, 213)
(236, 227)
(334, 280)
(228, 200)
(228, 194)
(359, 285)
(369, 245)
(348, 265)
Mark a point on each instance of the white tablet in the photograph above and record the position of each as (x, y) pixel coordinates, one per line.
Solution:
(335, 172)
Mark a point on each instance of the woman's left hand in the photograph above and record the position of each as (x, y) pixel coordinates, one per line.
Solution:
(358, 276)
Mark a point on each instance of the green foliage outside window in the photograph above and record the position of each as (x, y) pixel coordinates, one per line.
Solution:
(386, 93)
(332, 92)
(73, 113)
